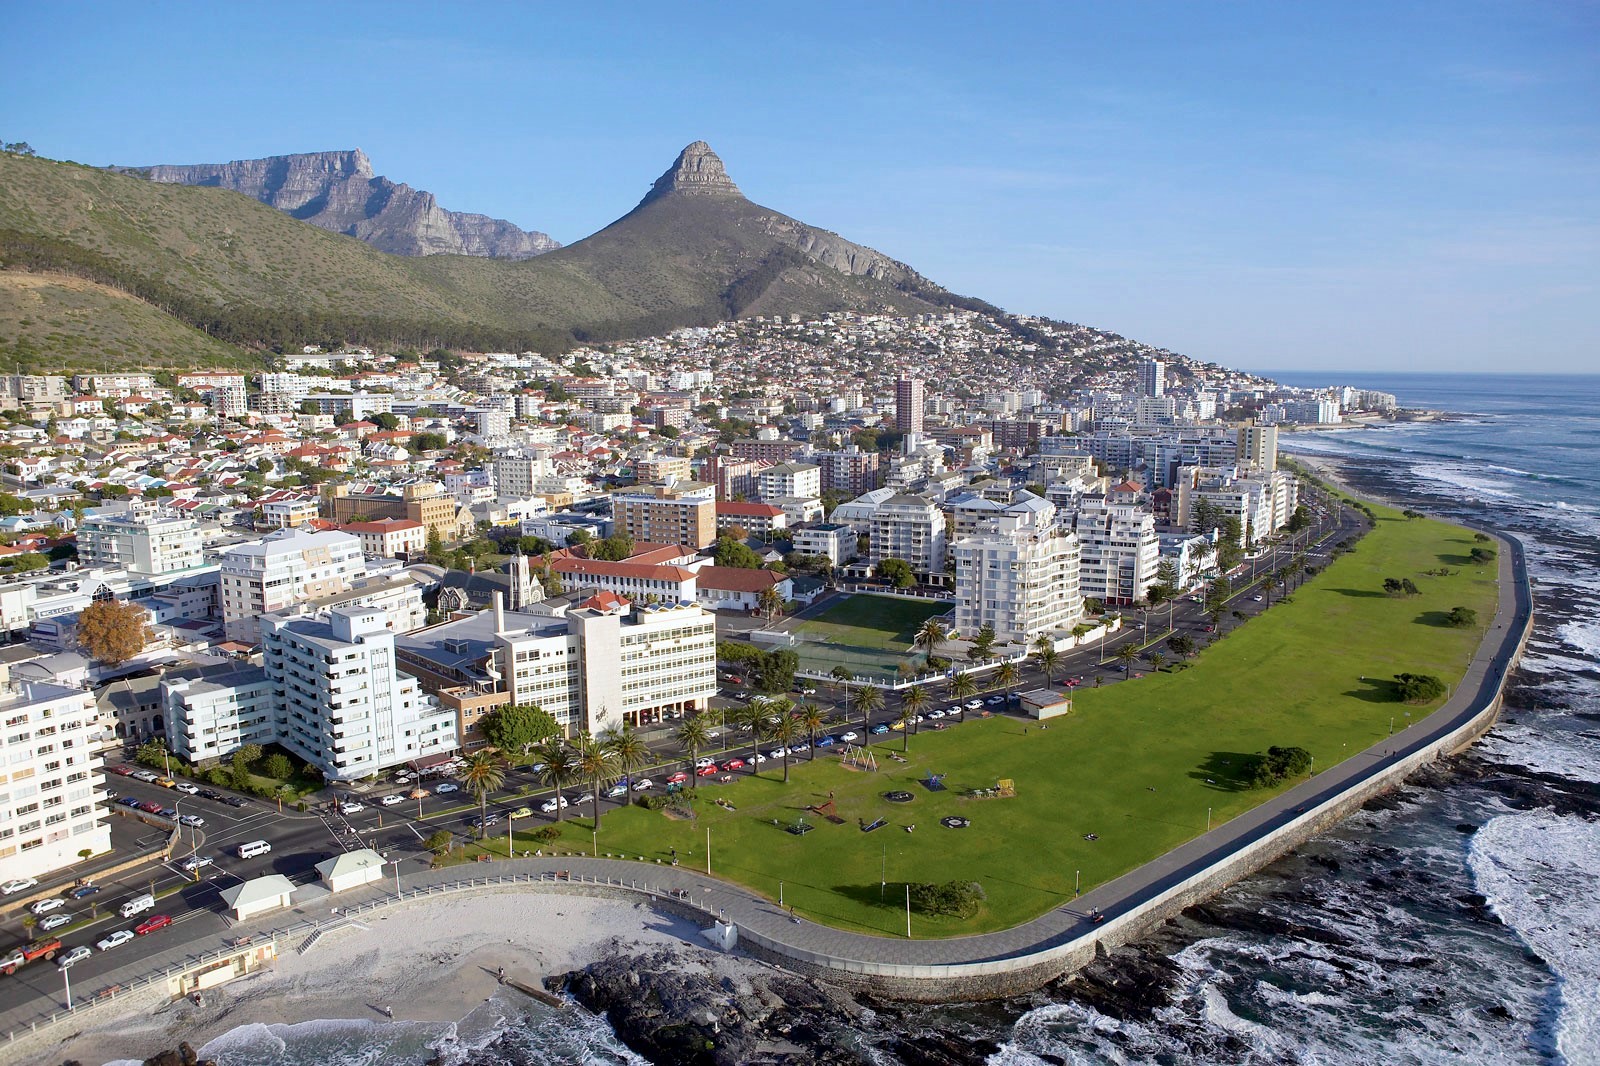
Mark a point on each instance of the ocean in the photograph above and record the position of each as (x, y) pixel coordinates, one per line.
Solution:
(1457, 921)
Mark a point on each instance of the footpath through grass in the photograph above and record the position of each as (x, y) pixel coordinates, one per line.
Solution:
(1137, 764)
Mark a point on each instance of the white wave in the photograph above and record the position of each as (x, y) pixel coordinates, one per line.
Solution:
(1537, 872)
(1543, 750)
(1584, 635)
(1453, 475)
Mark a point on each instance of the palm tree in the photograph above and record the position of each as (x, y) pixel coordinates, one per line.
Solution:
(770, 602)
(693, 734)
(906, 714)
(930, 636)
(785, 730)
(842, 677)
(913, 700)
(868, 700)
(483, 774)
(628, 748)
(1006, 676)
(1048, 660)
(752, 716)
(597, 764)
(1157, 659)
(1127, 655)
(961, 687)
(558, 766)
(812, 720)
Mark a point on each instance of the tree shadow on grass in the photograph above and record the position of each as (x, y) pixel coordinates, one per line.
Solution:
(1437, 619)
(1455, 560)
(1376, 690)
(889, 896)
(1363, 594)
(1225, 771)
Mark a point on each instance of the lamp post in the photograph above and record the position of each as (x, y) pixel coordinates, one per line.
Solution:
(66, 976)
(708, 850)
(1208, 819)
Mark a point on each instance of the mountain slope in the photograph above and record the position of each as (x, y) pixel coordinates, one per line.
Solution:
(694, 251)
(338, 191)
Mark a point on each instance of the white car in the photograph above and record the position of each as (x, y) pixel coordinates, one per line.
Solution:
(117, 939)
(935, 714)
(756, 758)
(195, 862)
(145, 775)
(550, 806)
(584, 797)
(644, 784)
(55, 921)
(77, 954)
(974, 705)
(21, 884)
(617, 791)
(191, 819)
(187, 789)
(701, 764)
(352, 808)
(776, 753)
(45, 906)
(851, 737)
(391, 799)
(448, 786)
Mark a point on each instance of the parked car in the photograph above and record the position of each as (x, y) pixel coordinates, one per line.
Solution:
(120, 937)
(210, 794)
(82, 891)
(850, 736)
(235, 801)
(167, 782)
(446, 786)
(678, 778)
(705, 771)
(146, 775)
(995, 701)
(187, 789)
(617, 791)
(701, 764)
(48, 904)
(827, 742)
(796, 749)
(878, 730)
(77, 954)
(521, 812)
(936, 714)
(150, 807)
(757, 758)
(484, 821)
(351, 807)
(550, 806)
(55, 921)
(583, 797)
(152, 923)
(974, 705)
(733, 764)
(391, 799)
(168, 812)
(130, 801)
(192, 819)
(644, 784)
(122, 769)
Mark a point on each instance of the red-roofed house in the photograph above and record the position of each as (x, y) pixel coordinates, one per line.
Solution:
(634, 580)
(390, 538)
(756, 518)
(731, 588)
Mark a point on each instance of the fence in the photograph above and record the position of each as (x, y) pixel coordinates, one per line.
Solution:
(312, 930)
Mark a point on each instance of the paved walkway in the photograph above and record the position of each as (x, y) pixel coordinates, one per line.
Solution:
(1478, 690)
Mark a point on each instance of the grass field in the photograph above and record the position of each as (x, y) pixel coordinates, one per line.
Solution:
(1137, 763)
(867, 621)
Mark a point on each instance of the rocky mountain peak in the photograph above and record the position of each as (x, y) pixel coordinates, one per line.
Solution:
(697, 172)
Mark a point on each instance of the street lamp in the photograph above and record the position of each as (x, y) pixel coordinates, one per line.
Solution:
(66, 976)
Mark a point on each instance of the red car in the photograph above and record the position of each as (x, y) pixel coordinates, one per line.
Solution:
(121, 768)
(678, 778)
(733, 764)
(706, 771)
(152, 923)
(150, 807)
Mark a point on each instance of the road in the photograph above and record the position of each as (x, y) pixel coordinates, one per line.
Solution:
(302, 839)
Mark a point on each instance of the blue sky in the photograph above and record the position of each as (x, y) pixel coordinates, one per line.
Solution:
(1364, 186)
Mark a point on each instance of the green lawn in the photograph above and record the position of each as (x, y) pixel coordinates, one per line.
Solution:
(1137, 763)
(867, 621)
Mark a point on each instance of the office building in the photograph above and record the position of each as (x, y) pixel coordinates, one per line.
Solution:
(1153, 377)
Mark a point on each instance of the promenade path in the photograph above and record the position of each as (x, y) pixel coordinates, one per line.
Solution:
(1059, 928)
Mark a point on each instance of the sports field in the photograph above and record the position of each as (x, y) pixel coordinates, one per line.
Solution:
(866, 621)
(1137, 764)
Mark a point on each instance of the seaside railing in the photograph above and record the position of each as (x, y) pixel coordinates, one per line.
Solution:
(281, 938)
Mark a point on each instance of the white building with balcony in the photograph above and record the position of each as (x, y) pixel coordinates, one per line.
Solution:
(281, 570)
(1120, 549)
(51, 784)
(912, 528)
(141, 540)
(1018, 572)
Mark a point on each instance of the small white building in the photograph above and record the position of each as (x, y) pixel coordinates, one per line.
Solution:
(351, 870)
(258, 895)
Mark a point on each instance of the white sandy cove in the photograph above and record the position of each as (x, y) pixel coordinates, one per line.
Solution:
(434, 960)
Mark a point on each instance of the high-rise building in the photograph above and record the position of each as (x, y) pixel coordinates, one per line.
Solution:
(1258, 447)
(50, 809)
(1153, 377)
(518, 473)
(908, 405)
(911, 528)
(143, 541)
(849, 470)
(280, 570)
(1018, 573)
(673, 512)
(1120, 551)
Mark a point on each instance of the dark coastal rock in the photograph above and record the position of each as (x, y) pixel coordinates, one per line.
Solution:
(671, 1009)
(183, 1055)
(1132, 983)
(942, 1049)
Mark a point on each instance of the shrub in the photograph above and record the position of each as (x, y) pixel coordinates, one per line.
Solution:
(1483, 555)
(1277, 765)
(278, 765)
(1461, 617)
(438, 842)
(1419, 688)
(959, 898)
(549, 834)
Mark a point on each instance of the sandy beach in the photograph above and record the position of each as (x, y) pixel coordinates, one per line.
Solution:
(433, 961)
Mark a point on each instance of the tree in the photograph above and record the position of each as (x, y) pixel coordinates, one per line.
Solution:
(628, 748)
(1157, 659)
(1182, 645)
(869, 699)
(897, 572)
(842, 678)
(1006, 675)
(784, 730)
(959, 898)
(1127, 655)
(912, 701)
(737, 554)
(278, 765)
(982, 643)
(112, 631)
(438, 842)
(557, 765)
(517, 728)
(1277, 765)
(483, 774)
(1419, 688)
(752, 716)
(813, 719)
(1461, 617)
(1483, 555)
(614, 548)
(929, 636)
(961, 687)
(693, 735)
(775, 671)
(770, 602)
(596, 764)
(1048, 661)
(1093, 606)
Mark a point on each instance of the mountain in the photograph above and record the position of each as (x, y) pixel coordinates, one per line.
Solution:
(338, 191)
(693, 252)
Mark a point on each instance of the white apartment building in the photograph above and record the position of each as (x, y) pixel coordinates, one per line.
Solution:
(123, 383)
(1018, 572)
(518, 473)
(1120, 552)
(213, 711)
(802, 480)
(1261, 502)
(343, 705)
(833, 539)
(288, 512)
(390, 538)
(51, 783)
(283, 569)
(911, 528)
(142, 541)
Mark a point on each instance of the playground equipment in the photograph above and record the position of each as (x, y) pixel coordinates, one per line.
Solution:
(933, 782)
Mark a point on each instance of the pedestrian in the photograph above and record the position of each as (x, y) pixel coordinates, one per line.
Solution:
(390, 1012)
(501, 974)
